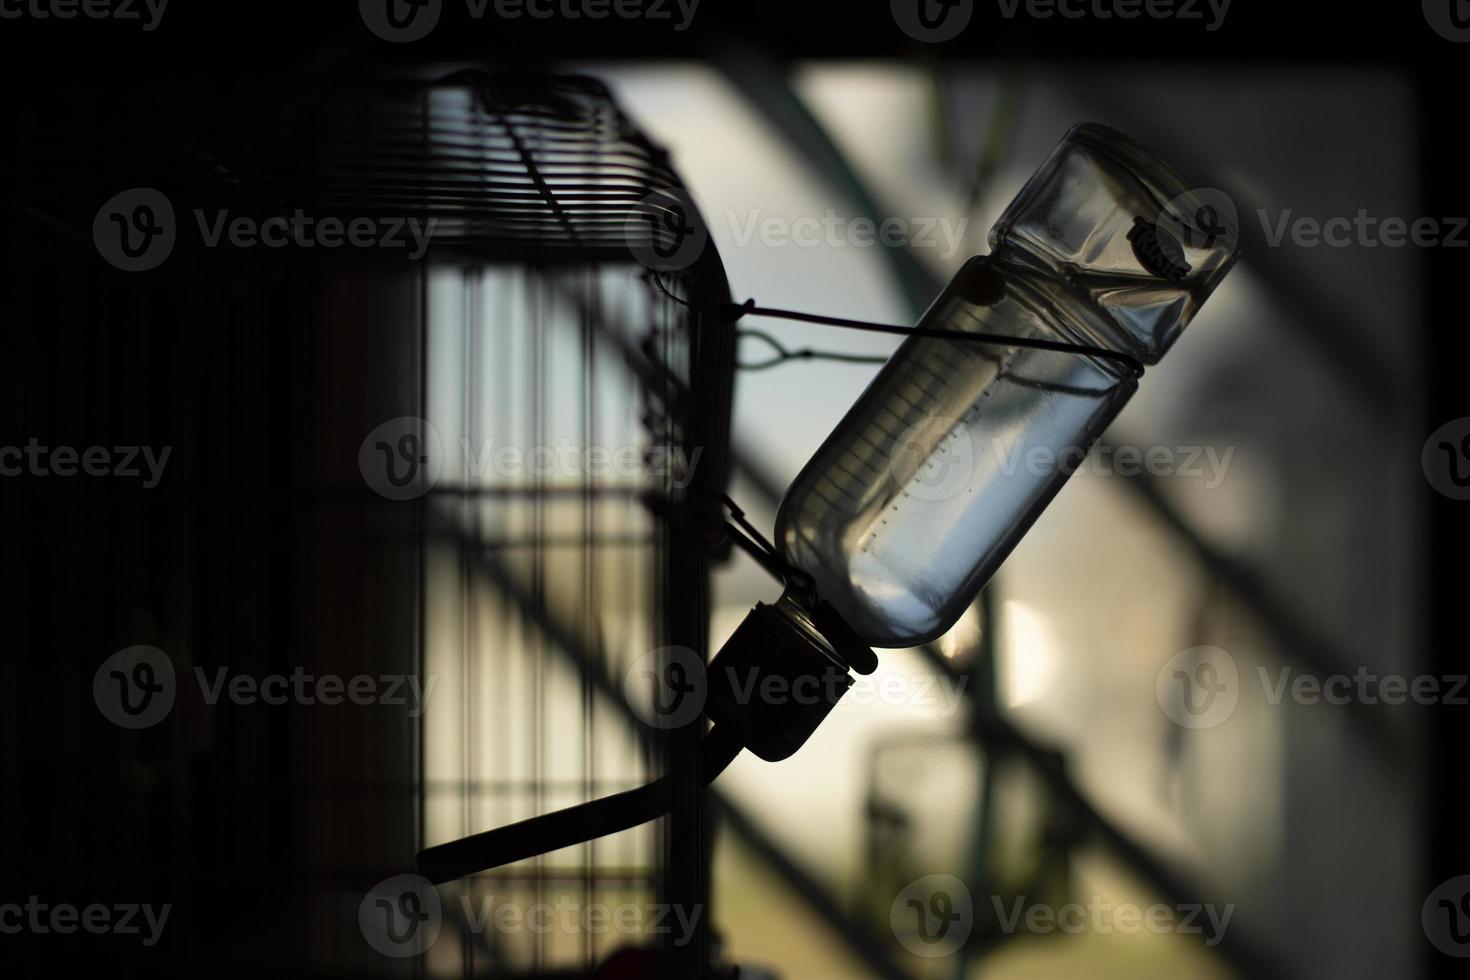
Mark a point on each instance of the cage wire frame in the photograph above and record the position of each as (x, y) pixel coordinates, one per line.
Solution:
(537, 187)
(548, 258)
(544, 565)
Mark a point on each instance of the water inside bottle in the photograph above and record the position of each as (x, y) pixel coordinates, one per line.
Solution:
(892, 520)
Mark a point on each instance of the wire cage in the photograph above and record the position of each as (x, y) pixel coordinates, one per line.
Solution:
(547, 553)
(551, 582)
(582, 420)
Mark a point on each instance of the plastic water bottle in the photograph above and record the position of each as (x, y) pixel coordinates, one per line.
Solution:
(956, 447)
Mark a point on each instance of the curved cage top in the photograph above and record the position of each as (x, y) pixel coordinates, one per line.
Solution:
(526, 167)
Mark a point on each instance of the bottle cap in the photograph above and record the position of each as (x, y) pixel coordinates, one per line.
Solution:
(774, 681)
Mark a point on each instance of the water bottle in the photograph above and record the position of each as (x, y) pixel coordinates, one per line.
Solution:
(956, 447)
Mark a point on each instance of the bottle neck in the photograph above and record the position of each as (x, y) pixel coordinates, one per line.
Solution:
(795, 616)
